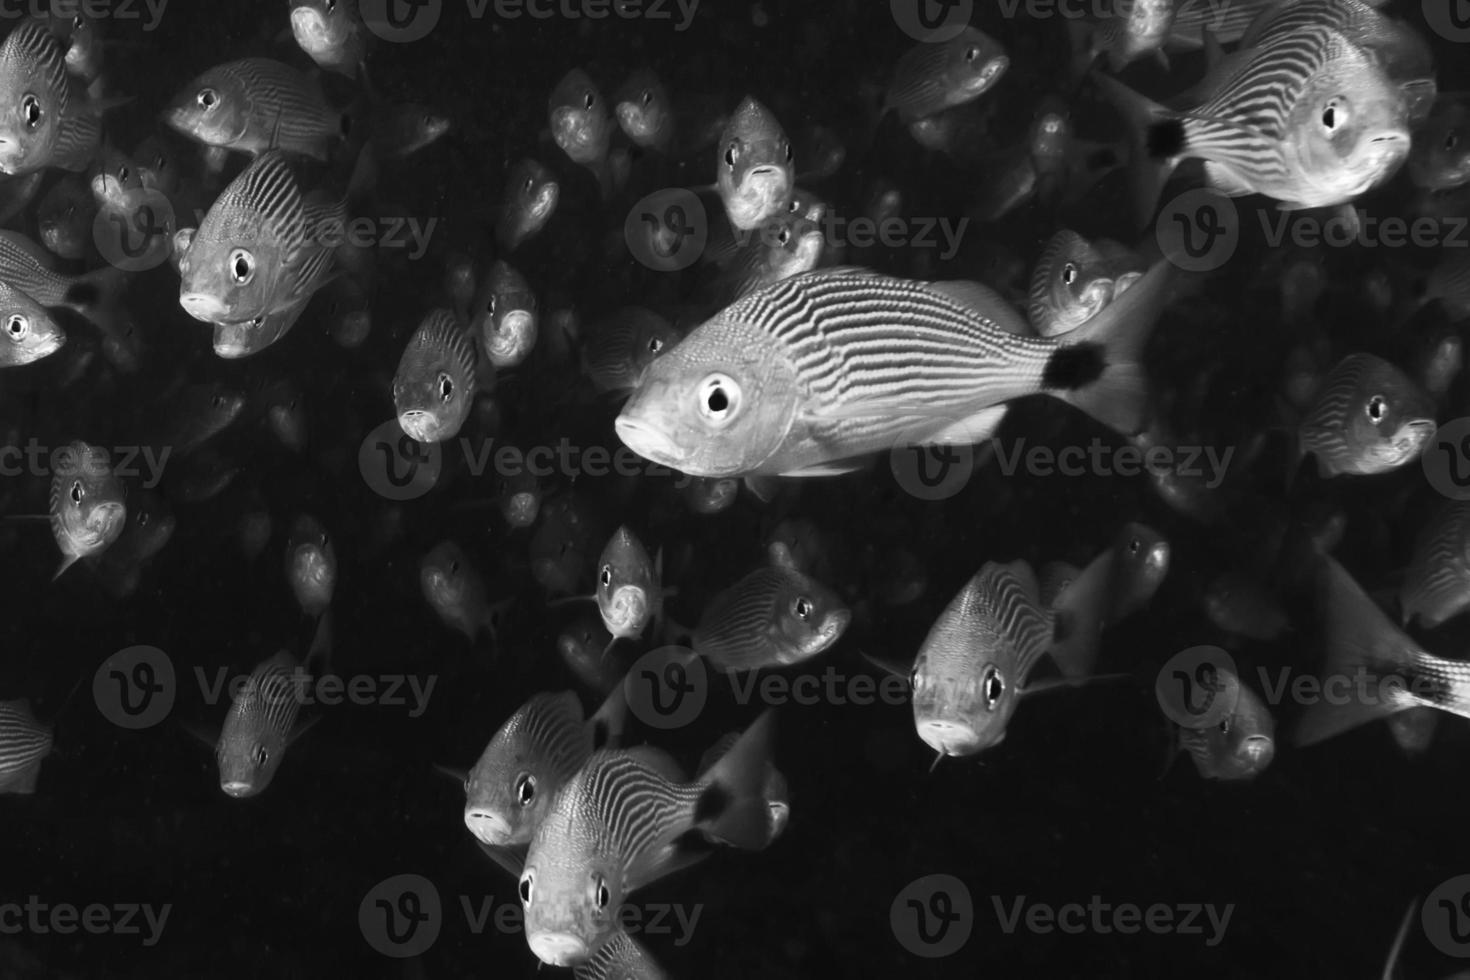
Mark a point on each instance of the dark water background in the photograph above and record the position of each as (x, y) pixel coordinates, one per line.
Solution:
(1319, 856)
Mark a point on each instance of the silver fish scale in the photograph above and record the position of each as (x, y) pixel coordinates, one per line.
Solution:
(741, 617)
(1001, 596)
(1439, 579)
(23, 740)
(1448, 684)
(1323, 431)
(561, 746)
(636, 807)
(262, 204)
(300, 117)
(20, 267)
(269, 703)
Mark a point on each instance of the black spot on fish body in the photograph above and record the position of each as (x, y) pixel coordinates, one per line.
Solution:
(1102, 159)
(1071, 368)
(713, 802)
(84, 293)
(1166, 139)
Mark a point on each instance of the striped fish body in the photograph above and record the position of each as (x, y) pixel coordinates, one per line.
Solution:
(1368, 418)
(973, 665)
(1227, 21)
(435, 384)
(261, 249)
(47, 122)
(620, 958)
(24, 742)
(25, 265)
(774, 616)
(618, 351)
(1240, 746)
(255, 105)
(533, 755)
(1437, 586)
(932, 77)
(86, 503)
(1136, 29)
(259, 726)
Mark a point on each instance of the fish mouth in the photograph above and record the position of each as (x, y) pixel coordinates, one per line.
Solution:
(237, 788)
(1258, 751)
(420, 426)
(626, 611)
(522, 510)
(648, 441)
(203, 307)
(508, 341)
(310, 29)
(1408, 442)
(488, 827)
(558, 948)
(948, 737)
(631, 118)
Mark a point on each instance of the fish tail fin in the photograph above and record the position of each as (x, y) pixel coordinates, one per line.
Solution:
(1157, 139)
(1361, 642)
(1079, 614)
(1099, 368)
(732, 806)
(98, 296)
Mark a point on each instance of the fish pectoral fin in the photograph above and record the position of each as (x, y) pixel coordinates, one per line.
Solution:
(970, 431)
(201, 733)
(1225, 180)
(511, 859)
(892, 667)
(457, 776)
(302, 728)
(841, 467)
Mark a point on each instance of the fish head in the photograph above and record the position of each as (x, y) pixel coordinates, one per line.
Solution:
(29, 330)
(442, 578)
(810, 617)
(430, 400)
(963, 704)
(571, 887)
(976, 62)
(719, 403)
(214, 109)
(234, 269)
(755, 170)
(1393, 423)
(507, 791)
(508, 338)
(1142, 556)
(1350, 133)
(320, 26)
(579, 120)
(30, 123)
(643, 119)
(247, 757)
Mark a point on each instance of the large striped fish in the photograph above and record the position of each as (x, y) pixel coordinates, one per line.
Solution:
(254, 105)
(1437, 585)
(801, 377)
(1368, 417)
(86, 505)
(618, 825)
(24, 742)
(261, 249)
(47, 120)
(620, 958)
(1374, 670)
(260, 725)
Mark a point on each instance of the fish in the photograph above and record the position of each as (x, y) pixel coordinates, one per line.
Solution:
(456, 591)
(932, 77)
(582, 645)
(774, 616)
(157, 164)
(285, 413)
(434, 387)
(617, 826)
(776, 792)
(711, 495)
(260, 726)
(1368, 417)
(24, 743)
(149, 529)
(534, 753)
(333, 34)
(64, 217)
(96, 295)
(1240, 746)
(1375, 670)
(804, 376)
(581, 123)
(256, 105)
(618, 351)
(629, 588)
(87, 507)
(403, 129)
(237, 340)
(519, 496)
(561, 547)
(49, 121)
(785, 246)
(1436, 587)
(30, 332)
(1132, 30)
(644, 112)
(1241, 606)
(504, 316)
(194, 415)
(1071, 284)
(261, 250)
(620, 958)
(1440, 158)
(530, 199)
(755, 170)
(311, 565)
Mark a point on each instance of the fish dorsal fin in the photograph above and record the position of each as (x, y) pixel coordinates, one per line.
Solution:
(980, 299)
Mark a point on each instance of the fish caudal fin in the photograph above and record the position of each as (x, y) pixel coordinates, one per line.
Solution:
(732, 807)
(1157, 138)
(1099, 367)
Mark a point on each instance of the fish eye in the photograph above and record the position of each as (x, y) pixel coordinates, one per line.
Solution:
(730, 153)
(1225, 725)
(446, 387)
(1451, 140)
(1377, 409)
(719, 398)
(30, 107)
(207, 98)
(525, 789)
(144, 518)
(76, 492)
(655, 345)
(18, 327)
(993, 687)
(606, 577)
(972, 54)
(600, 892)
(260, 755)
(916, 679)
(647, 97)
(1069, 273)
(1334, 116)
(242, 266)
(802, 608)
(788, 152)
(526, 887)
(1134, 547)
(784, 237)
(331, 6)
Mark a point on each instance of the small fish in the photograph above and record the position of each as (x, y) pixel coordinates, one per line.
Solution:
(580, 123)
(629, 591)
(403, 129)
(348, 311)
(519, 496)
(260, 726)
(24, 743)
(30, 332)
(1368, 418)
(150, 528)
(196, 414)
(620, 958)
(48, 122)
(1368, 655)
(561, 547)
(1241, 606)
(311, 565)
(530, 199)
(756, 170)
(582, 645)
(1134, 29)
(1437, 585)
(157, 164)
(255, 105)
(644, 112)
(933, 77)
(616, 827)
(1071, 285)
(785, 246)
(1413, 729)
(711, 495)
(1440, 363)
(456, 591)
(530, 758)
(618, 351)
(285, 411)
(87, 509)
(1440, 159)
(775, 616)
(332, 33)
(778, 796)
(504, 317)
(1239, 746)
(435, 384)
(65, 216)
